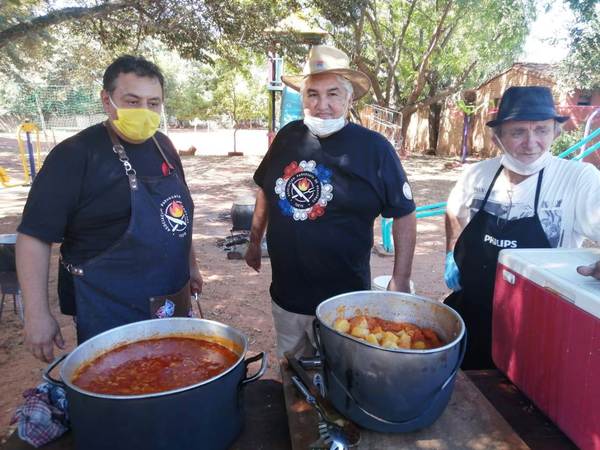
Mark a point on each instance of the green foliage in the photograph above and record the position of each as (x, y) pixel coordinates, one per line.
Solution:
(581, 68)
(565, 141)
(197, 29)
(421, 51)
(239, 92)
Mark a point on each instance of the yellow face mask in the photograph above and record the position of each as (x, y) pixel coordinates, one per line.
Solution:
(136, 124)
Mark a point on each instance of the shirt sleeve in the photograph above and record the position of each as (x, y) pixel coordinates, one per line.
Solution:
(587, 203)
(398, 197)
(54, 194)
(261, 171)
(460, 195)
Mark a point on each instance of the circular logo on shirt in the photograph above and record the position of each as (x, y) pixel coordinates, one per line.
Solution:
(406, 190)
(303, 190)
(173, 215)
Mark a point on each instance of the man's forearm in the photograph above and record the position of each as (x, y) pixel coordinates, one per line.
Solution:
(260, 217)
(193, 261)
(453, 230)
(404, 232)
(33, 260)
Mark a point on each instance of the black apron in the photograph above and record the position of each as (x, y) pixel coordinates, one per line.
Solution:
(145, 274)
(476, 255)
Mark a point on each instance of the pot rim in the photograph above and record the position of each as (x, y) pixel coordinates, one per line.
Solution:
(449, 345)
(68, 382)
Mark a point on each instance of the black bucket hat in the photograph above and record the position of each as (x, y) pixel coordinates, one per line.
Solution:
(526, 103)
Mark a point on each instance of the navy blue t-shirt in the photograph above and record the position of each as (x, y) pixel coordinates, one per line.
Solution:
(81, 196)
(324, 195)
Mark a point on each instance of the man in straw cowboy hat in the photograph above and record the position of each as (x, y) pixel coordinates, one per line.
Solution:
(525, 198)
(321, 186)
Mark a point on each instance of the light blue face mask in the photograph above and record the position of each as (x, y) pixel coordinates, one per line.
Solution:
(324, 127)
(516, 166)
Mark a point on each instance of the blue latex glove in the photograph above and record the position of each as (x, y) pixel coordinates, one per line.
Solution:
(451, 273)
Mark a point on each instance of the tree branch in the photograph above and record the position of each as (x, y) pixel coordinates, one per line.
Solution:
(433, 42)
(441, 95)
(59, 16)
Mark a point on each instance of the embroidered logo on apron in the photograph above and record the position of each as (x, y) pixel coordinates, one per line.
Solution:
(166, 310)
(173, 215)
(304, 190)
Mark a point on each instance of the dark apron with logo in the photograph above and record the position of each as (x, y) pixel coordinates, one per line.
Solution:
(476, 255)
(145, 274)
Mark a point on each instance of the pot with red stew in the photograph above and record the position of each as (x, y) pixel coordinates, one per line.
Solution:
(158, 384)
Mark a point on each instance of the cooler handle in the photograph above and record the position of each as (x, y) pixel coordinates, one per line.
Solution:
(46, 375)
(261, 371)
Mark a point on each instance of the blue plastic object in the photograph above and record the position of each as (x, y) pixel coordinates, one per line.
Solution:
(387, 242)
(291, 107)
(451, 273)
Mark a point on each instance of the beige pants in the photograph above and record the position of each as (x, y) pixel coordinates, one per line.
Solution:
(294, 332)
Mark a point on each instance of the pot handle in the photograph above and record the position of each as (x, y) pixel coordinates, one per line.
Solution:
(463, 347)
(317, 335)
(46, 375)
(261, 371)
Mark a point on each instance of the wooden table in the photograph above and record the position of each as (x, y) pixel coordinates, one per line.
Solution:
(265, 423)
(469, 422)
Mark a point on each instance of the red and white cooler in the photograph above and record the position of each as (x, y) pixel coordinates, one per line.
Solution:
(546, 335)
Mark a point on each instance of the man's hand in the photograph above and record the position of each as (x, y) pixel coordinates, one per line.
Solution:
(451, 273)
(253, 255)
(593, 270)
(196, 281)
(41, 334)
(399, 285)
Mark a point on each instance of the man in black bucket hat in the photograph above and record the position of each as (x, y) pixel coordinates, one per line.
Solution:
(525, 198)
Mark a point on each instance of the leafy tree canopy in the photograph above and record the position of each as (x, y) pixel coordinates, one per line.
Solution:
(197, 29)
(581, 68)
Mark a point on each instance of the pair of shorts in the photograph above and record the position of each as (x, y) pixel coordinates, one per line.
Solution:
(294, 332)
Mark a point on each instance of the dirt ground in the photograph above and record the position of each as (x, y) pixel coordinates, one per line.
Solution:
(233, 293)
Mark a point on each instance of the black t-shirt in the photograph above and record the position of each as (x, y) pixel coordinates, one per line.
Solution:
(81, 196)
(324, 195)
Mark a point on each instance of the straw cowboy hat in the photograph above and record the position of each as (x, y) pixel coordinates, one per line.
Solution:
(326, 59)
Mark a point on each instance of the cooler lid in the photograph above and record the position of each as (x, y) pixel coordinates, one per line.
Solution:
(555, 269)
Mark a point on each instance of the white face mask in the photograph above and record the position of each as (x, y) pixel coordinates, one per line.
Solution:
(516, 166)
(323, 127)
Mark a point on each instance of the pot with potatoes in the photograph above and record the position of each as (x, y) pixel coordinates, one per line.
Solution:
(389, 358)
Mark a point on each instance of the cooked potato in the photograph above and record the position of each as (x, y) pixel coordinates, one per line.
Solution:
(386, 333)
(389, 344)
(387, 336)
(404, 340)
(359, 321)
(360, 332)
(341, 325)
(372, 339)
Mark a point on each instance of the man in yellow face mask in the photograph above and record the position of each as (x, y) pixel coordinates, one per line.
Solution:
(115, 197)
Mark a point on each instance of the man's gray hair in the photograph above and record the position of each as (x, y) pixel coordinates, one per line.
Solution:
(346, 84)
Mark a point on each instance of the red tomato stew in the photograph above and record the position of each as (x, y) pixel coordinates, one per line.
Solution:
(154, 365)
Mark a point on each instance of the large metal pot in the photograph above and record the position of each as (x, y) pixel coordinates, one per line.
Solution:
(383, 389)
(206, 415)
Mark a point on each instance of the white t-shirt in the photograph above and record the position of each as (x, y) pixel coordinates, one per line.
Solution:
(569, 203)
